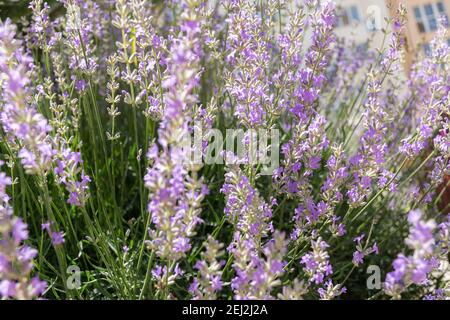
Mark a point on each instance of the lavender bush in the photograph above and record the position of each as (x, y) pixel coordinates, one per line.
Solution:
(98, 98)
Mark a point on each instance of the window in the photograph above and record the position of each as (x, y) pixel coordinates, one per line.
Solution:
(373, 18)
(419, 20)
(348, 16)
(427, 16)
(426, 49)
(441, 10)
(343, 18)
(355, 14)
(432, 23)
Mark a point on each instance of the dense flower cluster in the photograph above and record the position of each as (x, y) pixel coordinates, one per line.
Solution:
(425, 241)
(209, 280)
(248, 59)
(26, 128)
(317, 264)
(257, 269)
(30, 128)
(16, 258)
(244, 206)
(175, 192)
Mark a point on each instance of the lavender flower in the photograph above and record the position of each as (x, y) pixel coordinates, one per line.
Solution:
(247, 81)
(209, 279)
(78, 37)
(316, 262)
(175, 192)
(331, 195)
(429, 78)
(57, 237)
(367, 164)
(296, 291)
(16, 258)
(362, 251)
(166, 276)
(42, 30)
(413, 269)
(244, 206)
(322, 20)
(256, 276)
(68, 168)
(337, 173)
(331, 291)
(25, 127)
(302, 156)
(303, 153)
(23, 123)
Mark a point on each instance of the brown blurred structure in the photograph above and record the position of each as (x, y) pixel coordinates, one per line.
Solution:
(444, 203)
(361, 20)
(423, 22)
(423, 19)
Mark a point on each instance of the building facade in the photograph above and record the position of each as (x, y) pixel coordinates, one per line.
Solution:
(361, 20)
(423, 22)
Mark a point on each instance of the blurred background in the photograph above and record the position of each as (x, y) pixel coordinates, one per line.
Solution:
(359, 20)
(18, 9)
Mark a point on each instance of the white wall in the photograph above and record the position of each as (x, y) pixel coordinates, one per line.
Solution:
(372, 15)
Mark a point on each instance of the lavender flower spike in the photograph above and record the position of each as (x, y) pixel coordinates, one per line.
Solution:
(414, 269)
(175, 192)
(209, 279)
(26, 129)
(16, 258)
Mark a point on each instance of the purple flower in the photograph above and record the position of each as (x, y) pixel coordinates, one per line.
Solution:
(38, 286)
(209, 272)
(7, 289)
(71, 174)
(316, 262)
(57, 238)
(245, 208)
(19, 231)
(248, 79)
(20, 120)
(15, 257)
(362, 251)
(331, 291)
(414, 269)
(257, 275)
(175, 194)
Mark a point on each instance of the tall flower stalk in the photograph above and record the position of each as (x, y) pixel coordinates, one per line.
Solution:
(16, 258)
(175, 191)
